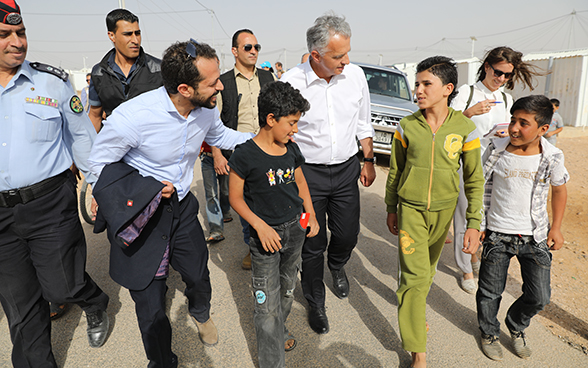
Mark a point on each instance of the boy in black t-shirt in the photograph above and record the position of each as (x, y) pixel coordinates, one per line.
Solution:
(267, 188)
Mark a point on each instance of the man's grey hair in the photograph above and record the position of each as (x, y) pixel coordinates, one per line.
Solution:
(325, 27)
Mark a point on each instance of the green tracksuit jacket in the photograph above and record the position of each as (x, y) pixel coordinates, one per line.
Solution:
(423, 166)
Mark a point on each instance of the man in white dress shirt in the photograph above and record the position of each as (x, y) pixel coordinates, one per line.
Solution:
(327, 135)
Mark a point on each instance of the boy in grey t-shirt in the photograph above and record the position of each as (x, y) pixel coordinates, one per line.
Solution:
(556, 125)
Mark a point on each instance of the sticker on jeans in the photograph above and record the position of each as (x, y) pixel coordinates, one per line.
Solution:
(260, 297)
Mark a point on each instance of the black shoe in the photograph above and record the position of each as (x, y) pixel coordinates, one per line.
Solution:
(340, 283)
(318, 321)
(97, 328)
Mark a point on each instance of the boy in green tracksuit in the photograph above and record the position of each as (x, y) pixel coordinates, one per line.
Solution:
(422, 189)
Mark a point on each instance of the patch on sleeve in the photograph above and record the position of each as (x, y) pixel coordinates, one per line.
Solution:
(58, 72)
(75, 104)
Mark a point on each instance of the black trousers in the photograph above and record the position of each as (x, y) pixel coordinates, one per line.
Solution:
(335, 195)
(43, 258)
(188, 256)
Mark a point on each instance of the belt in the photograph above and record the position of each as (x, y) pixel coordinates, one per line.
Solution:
(12, 197)
(331, 165)
(209, 154)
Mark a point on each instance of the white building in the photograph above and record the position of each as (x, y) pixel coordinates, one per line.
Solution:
(567, 81)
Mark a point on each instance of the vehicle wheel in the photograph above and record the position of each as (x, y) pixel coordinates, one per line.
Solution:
(86, 202)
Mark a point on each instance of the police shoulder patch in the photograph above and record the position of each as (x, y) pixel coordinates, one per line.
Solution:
(75, 104)
(58, 72)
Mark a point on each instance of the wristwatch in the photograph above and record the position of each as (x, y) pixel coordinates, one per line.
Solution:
(370, 159)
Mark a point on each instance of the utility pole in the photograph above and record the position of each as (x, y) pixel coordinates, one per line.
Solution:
(121, 4)
(211, 12)
(474, 39)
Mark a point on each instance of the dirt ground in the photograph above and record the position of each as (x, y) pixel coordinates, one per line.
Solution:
(567, 314)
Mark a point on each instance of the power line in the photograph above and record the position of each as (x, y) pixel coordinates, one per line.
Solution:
(217, 20)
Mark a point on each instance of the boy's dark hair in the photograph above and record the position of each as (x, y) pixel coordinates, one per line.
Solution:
(554, 102)
(235, 42)
(523, 71)
(444, 68)
(280, 99)
(178, 66)
(535, 104)
(119, 14)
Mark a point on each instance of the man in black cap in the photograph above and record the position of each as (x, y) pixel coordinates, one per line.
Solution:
(125, 71)
(42, 243)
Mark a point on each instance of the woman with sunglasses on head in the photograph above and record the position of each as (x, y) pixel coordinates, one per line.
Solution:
(486, 105)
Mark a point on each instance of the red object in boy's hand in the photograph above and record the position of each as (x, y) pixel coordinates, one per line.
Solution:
(304, 220)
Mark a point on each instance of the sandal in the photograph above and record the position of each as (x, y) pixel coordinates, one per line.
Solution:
(228, 218)
(56, 310)
(215, 238)
(290, 343)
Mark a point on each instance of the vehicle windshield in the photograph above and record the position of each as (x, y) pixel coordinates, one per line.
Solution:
(386, 83)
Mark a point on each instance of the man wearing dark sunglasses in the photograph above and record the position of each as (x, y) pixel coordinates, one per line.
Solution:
(125, 71)
(238, 107)
(159, 133)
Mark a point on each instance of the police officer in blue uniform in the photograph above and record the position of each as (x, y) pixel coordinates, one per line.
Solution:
(42, 243)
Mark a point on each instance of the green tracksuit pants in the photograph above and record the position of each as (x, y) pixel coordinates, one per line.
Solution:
(421, 236)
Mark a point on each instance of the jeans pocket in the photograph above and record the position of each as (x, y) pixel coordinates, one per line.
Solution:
(260, 293)
(541, 254)
(494, 248)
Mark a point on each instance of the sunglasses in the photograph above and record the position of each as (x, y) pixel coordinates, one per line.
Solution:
(500, 73)
(247, 47)
(191, 48)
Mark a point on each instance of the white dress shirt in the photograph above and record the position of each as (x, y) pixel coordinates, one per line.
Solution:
(150, 135)
(339, 113)
(500, 112)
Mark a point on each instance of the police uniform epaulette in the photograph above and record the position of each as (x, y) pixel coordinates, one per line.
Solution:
(58, 72)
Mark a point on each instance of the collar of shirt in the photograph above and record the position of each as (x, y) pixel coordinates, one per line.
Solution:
(238, 73)
(482, 87)
(118, 71)
(25, 71)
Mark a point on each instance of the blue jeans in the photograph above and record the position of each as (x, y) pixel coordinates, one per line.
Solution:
(215, 205)
(274, 278)
(535, 261)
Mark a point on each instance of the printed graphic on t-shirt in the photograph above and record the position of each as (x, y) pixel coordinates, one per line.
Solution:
(283, 177)
(520, 173)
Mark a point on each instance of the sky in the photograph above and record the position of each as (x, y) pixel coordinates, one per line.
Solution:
(73, 35)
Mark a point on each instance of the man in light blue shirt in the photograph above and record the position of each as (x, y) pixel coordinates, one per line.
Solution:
(159, 133)
(43, 130)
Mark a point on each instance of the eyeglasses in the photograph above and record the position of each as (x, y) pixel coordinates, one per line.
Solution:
(247, 47)
(500, 73)
(191, 48)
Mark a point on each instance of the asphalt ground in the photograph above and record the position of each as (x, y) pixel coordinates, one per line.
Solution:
(364, 327)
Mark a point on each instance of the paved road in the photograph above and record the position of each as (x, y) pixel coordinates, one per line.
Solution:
(364, 328)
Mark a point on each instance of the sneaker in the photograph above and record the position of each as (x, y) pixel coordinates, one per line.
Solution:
(469, 285)
(491, 347)
(519, 342)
